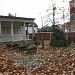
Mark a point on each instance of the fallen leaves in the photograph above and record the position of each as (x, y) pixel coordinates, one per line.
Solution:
(8, 66)
(48, 61)
(11, 67)
(58, 60)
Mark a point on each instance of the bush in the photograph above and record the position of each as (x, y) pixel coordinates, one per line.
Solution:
(66, 42)
(60, 43)
(74, 40)
(37, 42)
(69, 40)
(31, 50)
(53, 42)
(58, 39)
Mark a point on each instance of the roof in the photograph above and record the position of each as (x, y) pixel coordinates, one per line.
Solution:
(30, 24)
(14, 17)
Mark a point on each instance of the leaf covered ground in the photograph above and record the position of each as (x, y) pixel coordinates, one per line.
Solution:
(48, 61)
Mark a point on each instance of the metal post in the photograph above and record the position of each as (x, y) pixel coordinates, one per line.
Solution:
(42, 41)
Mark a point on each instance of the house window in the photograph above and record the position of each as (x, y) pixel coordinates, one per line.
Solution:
(2, 30)
(15, 30)
(19, 30)
(6, 30)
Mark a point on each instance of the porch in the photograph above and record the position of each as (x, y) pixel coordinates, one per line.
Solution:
(14, 29)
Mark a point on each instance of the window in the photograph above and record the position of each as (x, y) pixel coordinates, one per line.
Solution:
(6, 30)
(15, 30)
(3, 30)
(19, 30)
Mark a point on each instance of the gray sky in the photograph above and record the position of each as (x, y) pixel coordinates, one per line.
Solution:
(25, 8)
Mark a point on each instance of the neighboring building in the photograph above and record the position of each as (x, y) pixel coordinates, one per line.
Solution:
(16, 28)
(72, 15)
(67, 28)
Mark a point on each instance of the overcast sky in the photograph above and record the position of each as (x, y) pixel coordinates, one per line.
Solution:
(25, 8)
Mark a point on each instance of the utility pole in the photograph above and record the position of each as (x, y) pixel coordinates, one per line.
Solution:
(54, 8)
(64, 18)
(54, 18)
(41, 19)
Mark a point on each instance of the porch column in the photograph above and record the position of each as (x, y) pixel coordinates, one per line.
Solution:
(0, 33)
(33, 29)
(12, 39)
(27, 33)
(24, 32)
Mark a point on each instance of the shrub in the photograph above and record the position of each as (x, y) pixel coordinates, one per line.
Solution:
(74, 40)
(66, 42)
(60, 43)
(31, 50)
(58, 39)
(37, 42)
(69, 40)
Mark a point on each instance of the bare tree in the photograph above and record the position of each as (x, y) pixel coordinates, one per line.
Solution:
(56, 14)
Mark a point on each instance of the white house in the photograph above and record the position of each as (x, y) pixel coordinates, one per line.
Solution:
(16, 28)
